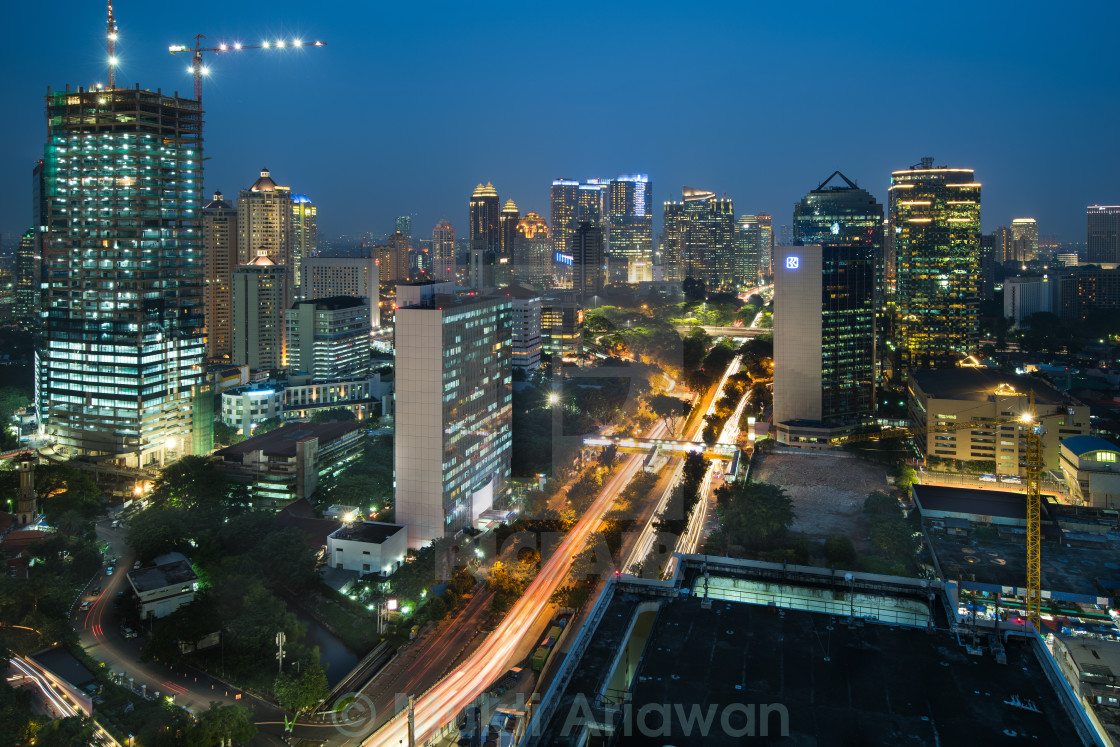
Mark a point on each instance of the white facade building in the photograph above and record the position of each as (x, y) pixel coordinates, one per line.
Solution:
(246, 407)
(1025, 296)
(323, 277)
(367, 547)
(164, 586)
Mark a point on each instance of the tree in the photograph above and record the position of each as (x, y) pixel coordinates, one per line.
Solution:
(226, 435)
(334, 414)
(65, 732)
(15, 714)
(437, 609)
(303, 690)
(694, 289)
(221, 724)
(839, 551)
(191, 483)
(759, 517)
(267, 425)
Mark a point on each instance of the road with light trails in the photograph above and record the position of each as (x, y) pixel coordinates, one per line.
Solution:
(58, 703)
(444, 701)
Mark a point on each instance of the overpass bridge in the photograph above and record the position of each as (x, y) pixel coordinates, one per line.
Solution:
(644, 445)
(726, 331)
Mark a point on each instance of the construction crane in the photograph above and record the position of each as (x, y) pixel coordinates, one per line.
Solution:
(198, 70)
(1032, 464)
(111, 35)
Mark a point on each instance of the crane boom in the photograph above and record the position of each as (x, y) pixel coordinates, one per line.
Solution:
(111, 36)
(198, 70)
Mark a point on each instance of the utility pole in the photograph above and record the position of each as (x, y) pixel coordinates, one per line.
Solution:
(280, 640)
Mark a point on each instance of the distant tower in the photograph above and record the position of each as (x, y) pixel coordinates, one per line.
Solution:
(588, 260)
(404, 225)
(219, 260)
(564, 200)
(305, 235)
(264, 226)
(443, 251)
(1024, 239)
(258, 315)
(485, 235)
(700, 233)
(630, 228)
(532, 252)
(397, 257)
(507, 222)
(1103, 238)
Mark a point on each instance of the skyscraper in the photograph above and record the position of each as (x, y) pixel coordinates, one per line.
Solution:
(842, 210)
(507, 222)
(1103, 243)
(701, 232)
(485, 235)
(1003, 247)
(305, 234)
(532, 252)
(453, 412)
(264, 227)
(394, 260)
(630, 229)
(588, 264)
(565, 207)
(935, 217)
(219, 259)
(404, 225)
(1024, 237)
(122, 348)
(328, 338)
(258, 315)
(748, 264)
(29, 266)
(824, 338)
(443, 251)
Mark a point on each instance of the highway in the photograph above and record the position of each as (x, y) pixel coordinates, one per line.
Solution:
(54, 697)
(491, 659)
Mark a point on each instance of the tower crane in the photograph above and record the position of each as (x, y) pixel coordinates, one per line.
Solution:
(111, 35)
(1032, 464)
(198, 70)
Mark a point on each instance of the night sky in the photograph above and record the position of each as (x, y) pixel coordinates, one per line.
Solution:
(412, 103)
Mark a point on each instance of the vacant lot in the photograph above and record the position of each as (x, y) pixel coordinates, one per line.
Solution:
(827, 491)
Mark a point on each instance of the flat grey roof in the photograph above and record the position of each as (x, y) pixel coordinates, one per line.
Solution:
(977, 384)
(366, 531)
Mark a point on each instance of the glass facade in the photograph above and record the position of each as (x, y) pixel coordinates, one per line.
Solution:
(630, 229)
(848, 273)
(123, 343)
(935, 225)
(700, 235)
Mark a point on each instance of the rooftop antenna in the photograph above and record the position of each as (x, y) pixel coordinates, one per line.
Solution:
(111, 34)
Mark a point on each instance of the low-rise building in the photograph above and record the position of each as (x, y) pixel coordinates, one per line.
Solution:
(245, 407)
(304, 397)
(367, 547)
(1091, 468)
(164, 586)
(990, 406)
(286, 464)
(1092, 668)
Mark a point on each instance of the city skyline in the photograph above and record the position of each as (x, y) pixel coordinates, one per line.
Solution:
(764, 165)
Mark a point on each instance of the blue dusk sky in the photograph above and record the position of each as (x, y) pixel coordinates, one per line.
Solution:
(411, 103)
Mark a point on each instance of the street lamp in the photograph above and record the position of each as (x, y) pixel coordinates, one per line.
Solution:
(553, 398)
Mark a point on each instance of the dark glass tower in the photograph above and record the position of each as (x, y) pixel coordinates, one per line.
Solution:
(587, 263)
(123, 344)
(848, 278)
(485, 235)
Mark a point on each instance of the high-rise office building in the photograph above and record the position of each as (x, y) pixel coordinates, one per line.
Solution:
(443, 251)
(1003, 248)
(766, 239)
(824, 338)
(1024, 238)
(404, 225)
(747, 266)
(485, 235)
(264, 227)
(29, 271)
(532, 252)
(935, 217)
(842, 210)
(122, 353)
(507, 228)
(453, 412)
(259, 290)
(564, 199)
(219, 260)
(588, 264)
(1103, 242)
(630, 229)
(701, 232)
(325, 277)
(394, 259)
(328, 338)
(305, 234)
(987, 265)
(525, 327)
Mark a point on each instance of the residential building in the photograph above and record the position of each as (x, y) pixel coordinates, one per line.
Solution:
(286, 464)
(1091, 468)
(443, 251)
(305, 236)
(824, 339)
(1103, 243)
(935, 219)
(264, 228)
(164, 586)
(367, 547)
(115, 369)
(525, 333)
(219, 258)
(485, 235)
(630, 229)
(1024, 239)
(992, 405)
(532, 252)
(1031, 295)
(345, 276)
(588, 264)
(1003, 248)
(328, 338)
(259, 290)
(453, 412)
(701, 232)
(394, 259)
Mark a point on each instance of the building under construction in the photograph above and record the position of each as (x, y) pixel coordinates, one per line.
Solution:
(121, 359)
